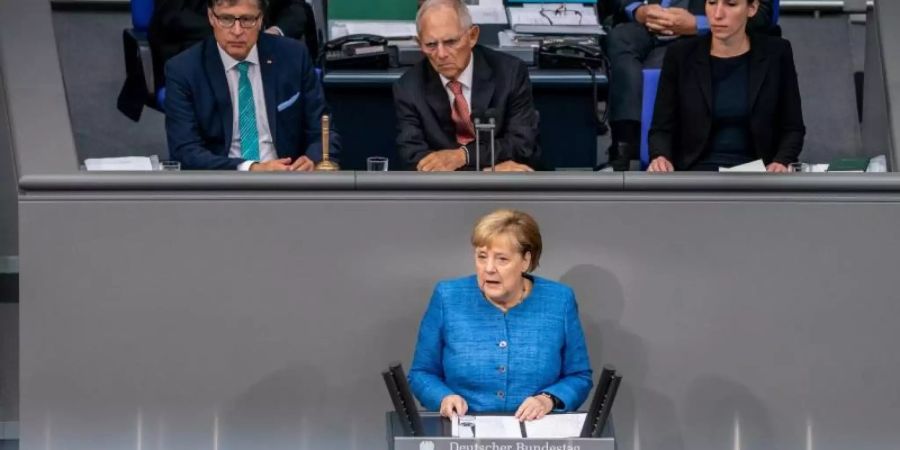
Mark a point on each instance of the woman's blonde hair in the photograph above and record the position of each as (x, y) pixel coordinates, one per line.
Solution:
(518, 225)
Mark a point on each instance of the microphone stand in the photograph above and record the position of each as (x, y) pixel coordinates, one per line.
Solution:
(490, 126)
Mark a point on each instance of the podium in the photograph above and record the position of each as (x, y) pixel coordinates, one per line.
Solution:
(437, 437)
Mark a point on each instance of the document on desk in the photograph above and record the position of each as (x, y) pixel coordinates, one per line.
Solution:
(752, 166)
(488, 12)
(385, 28)
(554, 426)
(124, 163)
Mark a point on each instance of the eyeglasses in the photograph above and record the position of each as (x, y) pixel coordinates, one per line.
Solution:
(245, 21)
(449, 44)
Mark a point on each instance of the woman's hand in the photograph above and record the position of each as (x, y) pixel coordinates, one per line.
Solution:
(660, 164)
(534, 408)
(776, 168)
(453, 405)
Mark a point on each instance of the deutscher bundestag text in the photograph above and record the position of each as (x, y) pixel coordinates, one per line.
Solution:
(516, 446)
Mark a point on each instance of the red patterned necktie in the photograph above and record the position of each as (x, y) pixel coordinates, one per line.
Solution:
(459, 112)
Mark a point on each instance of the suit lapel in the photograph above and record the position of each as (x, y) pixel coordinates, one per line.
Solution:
(438, 101)
(215, 72)
(759, 67)
(482, 83)
(268, 67)
(702, 71)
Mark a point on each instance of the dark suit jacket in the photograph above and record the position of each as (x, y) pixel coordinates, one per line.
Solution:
(199, 111)
(682, 118)
(499, 82)
(176, 25)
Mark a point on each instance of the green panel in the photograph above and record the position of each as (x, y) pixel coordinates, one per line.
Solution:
(372, 9)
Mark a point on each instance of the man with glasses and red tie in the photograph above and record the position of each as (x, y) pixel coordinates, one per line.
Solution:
(435, 98)
(242, 100)
(638, 41)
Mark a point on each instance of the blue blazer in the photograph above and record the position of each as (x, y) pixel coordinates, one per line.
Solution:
(469, 347)
(199, 112)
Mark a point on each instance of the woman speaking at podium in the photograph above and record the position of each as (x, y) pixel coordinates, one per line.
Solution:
(502, 340)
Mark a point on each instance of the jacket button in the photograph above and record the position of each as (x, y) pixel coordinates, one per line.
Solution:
(502, 344)
(501, 369)
(500, 394)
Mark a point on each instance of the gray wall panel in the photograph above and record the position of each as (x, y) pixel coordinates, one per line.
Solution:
(8, 186)
(9, 363)
(263, 323)
(35, 97)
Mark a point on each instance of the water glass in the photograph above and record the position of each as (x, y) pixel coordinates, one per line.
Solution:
(169, 166)
(377, 164)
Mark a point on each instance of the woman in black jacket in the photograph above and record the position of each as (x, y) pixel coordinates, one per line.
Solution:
(727, 98)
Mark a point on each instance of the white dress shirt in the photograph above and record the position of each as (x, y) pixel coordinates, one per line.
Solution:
(465, 79)
(266, 145)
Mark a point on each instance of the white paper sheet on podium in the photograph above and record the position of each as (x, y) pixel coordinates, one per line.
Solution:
(752, 166)
(125, 163)
(550, 427)
(556, 426)
(486, 427)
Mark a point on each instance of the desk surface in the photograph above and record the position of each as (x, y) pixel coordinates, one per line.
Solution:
(539, 77)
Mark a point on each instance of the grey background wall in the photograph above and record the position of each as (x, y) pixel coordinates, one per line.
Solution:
(8, 187)
(261, 320)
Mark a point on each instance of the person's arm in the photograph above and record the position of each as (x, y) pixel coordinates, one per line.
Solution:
(790, 126)
(411, 145)
(575, 381)
(289, 16)
(314, 106)
(426, 376)
(183, 130)
(665, 123)
(519, 140)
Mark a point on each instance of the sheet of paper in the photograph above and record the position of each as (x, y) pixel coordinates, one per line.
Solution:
(127, 163)
(385, 28)
(488, 11)
(497, 427)
(556, 426)
(752, 166)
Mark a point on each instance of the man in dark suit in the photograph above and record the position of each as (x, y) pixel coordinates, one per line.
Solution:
(176, 25)
(434, 99)
(242, 100)
(638, 41)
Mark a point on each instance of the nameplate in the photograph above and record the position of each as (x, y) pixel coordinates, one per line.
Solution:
(409, 443)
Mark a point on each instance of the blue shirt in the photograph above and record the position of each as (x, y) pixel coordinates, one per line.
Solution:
(495, 360)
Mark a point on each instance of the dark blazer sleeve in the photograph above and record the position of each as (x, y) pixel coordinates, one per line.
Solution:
(314, 107)
(664, 127)
(519, 140)
(182, 128)
(411, 144)
(792, 131)
(289, 16)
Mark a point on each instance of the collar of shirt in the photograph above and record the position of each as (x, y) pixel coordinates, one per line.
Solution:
(230, 63)
(465, 78)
